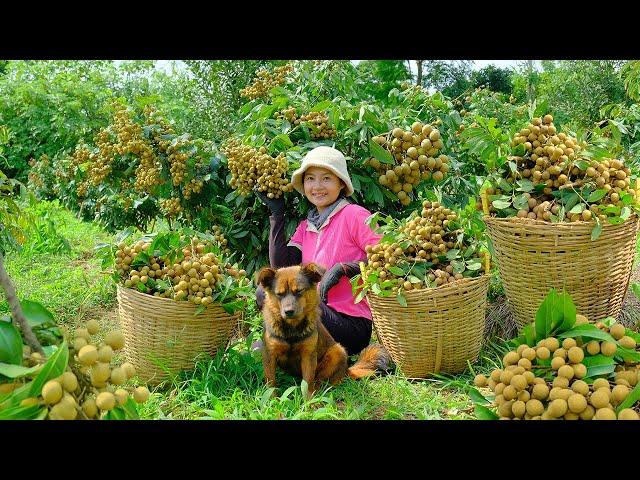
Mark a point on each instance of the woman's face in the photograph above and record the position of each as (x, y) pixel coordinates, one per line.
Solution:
(321, 187)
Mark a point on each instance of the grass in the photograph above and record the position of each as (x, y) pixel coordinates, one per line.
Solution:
(69, 283)
(231, 386)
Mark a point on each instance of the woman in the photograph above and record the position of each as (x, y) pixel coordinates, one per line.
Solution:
(334, 235)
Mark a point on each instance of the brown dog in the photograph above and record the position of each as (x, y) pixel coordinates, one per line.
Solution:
(295, 338)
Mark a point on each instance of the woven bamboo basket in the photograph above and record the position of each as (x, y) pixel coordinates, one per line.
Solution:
(534, 256)
(440, 329)
(163, 337)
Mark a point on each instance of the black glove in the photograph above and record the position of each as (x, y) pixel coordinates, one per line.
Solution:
(333, 275)
(276, 205)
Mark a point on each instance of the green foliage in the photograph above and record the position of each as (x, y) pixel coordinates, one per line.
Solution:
(576, 89)
(493, 78)
(449, 77)
(631, 74)
(213, 94)
(382, 76)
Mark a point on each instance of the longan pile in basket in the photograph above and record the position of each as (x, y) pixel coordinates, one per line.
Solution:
(430, 237)
(552, 160)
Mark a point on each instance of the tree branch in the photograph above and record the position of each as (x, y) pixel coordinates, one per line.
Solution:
(16, 310)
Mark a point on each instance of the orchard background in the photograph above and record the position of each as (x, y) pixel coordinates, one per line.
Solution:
(91, 148)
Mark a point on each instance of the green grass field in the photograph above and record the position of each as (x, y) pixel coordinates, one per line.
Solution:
(230, 386)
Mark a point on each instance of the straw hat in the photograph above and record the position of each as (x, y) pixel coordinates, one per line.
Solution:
(324, 157)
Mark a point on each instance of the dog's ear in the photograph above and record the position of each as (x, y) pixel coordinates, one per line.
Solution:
(313, 272)
(266, 276)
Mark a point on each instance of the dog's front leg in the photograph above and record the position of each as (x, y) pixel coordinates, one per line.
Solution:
(309, 365)
(269, 367)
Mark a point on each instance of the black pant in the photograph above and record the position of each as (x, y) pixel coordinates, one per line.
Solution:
(353, 333)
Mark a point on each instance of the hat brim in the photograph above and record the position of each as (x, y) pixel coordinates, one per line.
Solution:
(296, 177)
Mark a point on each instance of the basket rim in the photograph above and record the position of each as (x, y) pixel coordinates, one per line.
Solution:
(439, 289)
(530, 221)
(141, 295)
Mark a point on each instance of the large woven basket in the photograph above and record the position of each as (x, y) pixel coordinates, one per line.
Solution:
(163, 337)
(534, 256)
(439, 330)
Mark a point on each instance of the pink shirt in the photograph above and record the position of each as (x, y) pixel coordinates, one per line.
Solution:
(342, 238)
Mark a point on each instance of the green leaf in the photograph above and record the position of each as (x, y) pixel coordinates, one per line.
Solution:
(477, 397)
(525, 185)
(321, 106)
(396, 270)
(453, 253)
(568, 313)
(529, 334)
(519, 150)
(599, 365)
(282, 140)
(16, 371)
(548, 314)
(632, 398)
(586, 331)
(625, 213)
(627, 354)
(501, 204)
(36, 313)
(597, 230)
(380, 153)
(54, 367)
(483, 413)
(577, 208)
(402, 300)
(10, 344)
(115, 414)
(520, 202)
(19, 412)
(597, 195)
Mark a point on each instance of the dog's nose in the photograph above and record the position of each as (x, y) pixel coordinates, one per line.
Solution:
(289, 313)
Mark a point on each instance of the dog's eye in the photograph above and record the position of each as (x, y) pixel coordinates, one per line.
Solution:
(297, 293)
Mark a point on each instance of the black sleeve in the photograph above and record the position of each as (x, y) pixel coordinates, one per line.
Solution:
(280, 254)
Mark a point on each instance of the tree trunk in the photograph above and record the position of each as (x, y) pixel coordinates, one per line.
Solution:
(419, 80)
(16, 310)
(530, 92)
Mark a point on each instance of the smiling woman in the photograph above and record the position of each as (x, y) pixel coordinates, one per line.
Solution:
(334, 236)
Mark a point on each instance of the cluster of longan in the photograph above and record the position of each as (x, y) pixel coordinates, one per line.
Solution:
(415, 153)
(34, 176)
(265, 81)
(171, 207)
(219, 238)
(521, 394)
(177, 160)
(319, 122)
(272, 174)
(256, 168)
(288, 114)
(241, 165)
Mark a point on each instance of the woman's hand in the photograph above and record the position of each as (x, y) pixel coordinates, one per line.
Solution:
(333, 275)
(276, 205)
